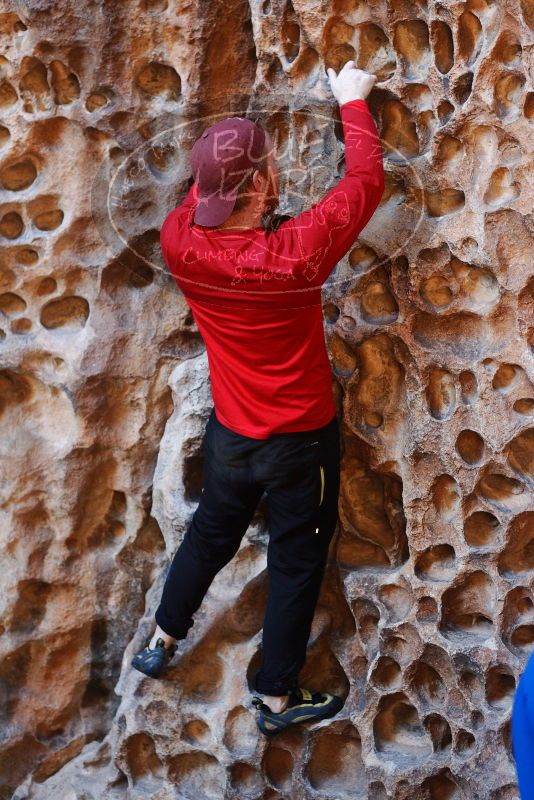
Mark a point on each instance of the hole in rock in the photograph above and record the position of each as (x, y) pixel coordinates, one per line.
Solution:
(468, 383)
(196, 731)
(34, 78)
(373, 533)
(442, 787)
(387, 673)
(506, 378)
(508, 792)
(508, 49)
(450, 151)
(465, 742)
(367, 618)
(517, 557)
(141, 757)
(343, 358)
(378, 304)
(411, 43)
(245, 779)
(65, 83)
(443, 45)
(481, 529)
(469, 37)
(500, 687)
(18, 176)
(374, 50)
(397, 600)
(446, 496)
(158, 79)
(436, 291)
(11, 225)
(398, 647)
(21, 325)
(182, 344)
(470, 447)
(501, 491)
(11, 304)
(502, 189)
(524, 406)
(445, 111)
(426, 683)
(467, 609)
(48, 220)
(477, 720)
(377, 791)
(508, 91)
(518, 621)
(436, 563)
(197, 774)
(290, 33)
(398, 731)
(399, 134)
(240, 732)
(520, 455)
(427, 609)
(445, 201)
(441, 393)
(331, 312)
(335, 765)
(462, 87)
(523, 637)
(67, 313)
(278, 767)
(46, 285)
(439, 731)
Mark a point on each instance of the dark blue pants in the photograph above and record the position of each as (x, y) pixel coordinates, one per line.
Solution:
(523, 731)
(300, 474)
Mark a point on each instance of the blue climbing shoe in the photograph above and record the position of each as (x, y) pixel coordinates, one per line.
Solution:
(302, 706)
(152, 661)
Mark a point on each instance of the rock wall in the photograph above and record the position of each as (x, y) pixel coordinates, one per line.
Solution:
(426, 615)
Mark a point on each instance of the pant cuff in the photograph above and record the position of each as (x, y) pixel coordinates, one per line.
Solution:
(168, 627)
(275, 688)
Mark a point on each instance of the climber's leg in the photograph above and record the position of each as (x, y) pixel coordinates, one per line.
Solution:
(303, 511)
(227, 504)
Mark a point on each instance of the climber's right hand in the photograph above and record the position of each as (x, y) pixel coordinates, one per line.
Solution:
(350, 83)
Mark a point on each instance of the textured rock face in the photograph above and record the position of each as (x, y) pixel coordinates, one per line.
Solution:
(426, 615)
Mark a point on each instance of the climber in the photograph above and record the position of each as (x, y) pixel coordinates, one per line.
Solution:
(254, 290)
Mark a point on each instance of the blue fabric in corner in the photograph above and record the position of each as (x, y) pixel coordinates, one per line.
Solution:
(523, 731)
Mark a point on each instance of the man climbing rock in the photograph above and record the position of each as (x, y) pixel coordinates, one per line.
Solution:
(255, 293)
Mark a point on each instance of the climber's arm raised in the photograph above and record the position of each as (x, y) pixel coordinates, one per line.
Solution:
(310, 245)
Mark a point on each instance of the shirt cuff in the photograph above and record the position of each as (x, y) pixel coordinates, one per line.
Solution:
(357, 103)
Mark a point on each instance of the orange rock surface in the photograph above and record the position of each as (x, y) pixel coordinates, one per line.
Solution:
(426, 615)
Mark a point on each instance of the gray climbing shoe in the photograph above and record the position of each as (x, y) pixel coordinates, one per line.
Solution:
(152, 661)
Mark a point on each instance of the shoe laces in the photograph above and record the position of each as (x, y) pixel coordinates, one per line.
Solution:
(296, 697)
(171, 649)
(300, 695)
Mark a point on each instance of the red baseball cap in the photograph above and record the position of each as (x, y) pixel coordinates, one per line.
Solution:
(220, 158)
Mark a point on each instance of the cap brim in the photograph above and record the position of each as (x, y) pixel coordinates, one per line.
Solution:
(213, 210)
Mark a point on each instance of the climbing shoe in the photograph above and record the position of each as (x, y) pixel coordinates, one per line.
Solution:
(302, 706)
(152, 661)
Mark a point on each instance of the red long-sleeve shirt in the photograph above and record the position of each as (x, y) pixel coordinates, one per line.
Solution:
(256, 296)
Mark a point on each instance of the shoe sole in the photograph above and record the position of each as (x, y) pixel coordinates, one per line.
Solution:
(312, 718)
